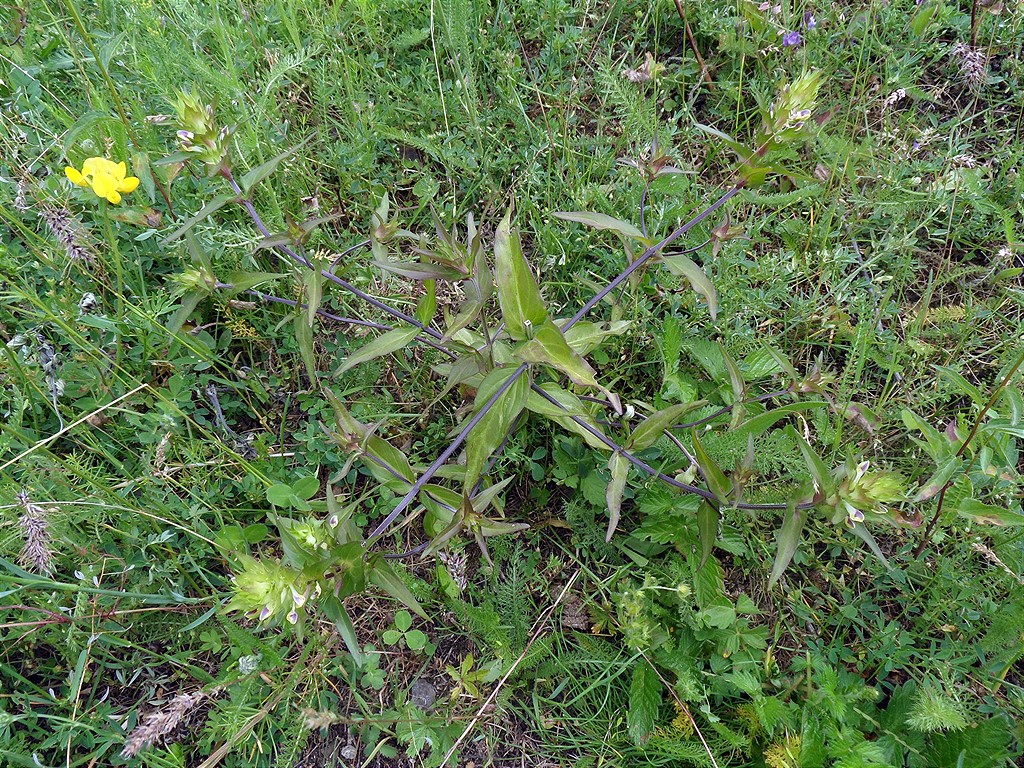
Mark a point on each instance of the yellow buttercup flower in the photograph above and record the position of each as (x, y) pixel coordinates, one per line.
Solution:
(106, 178)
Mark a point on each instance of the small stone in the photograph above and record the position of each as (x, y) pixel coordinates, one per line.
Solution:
(348, 752)
(423, 694)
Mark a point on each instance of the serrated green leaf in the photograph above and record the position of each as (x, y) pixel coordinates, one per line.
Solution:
(788, 541)
(644, 702)
(618, 466)
(650, 429)
(496, 423)
(718, 483)
(602, 221)
(213, 206)
(521, 304)
(385, 344)
(681, 265)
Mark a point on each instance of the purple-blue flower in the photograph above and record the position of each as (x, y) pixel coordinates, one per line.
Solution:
(809, 21)
(791, 39)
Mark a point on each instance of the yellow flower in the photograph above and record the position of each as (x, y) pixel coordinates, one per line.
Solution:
(105, 177)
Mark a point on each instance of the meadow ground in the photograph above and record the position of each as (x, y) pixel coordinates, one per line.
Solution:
(823, 567)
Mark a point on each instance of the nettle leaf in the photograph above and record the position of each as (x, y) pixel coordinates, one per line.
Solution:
(718, 483)
(497, 422)
(521, 304)
(788, 541)
(602, 221)
(644, 702)
(385, 344)
(681, 265)
(651, 429)
(618, 466)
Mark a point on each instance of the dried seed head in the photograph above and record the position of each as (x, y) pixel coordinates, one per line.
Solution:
(34, 523)
(160, 722)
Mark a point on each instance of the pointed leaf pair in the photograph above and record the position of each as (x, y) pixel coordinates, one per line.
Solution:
(522, 307)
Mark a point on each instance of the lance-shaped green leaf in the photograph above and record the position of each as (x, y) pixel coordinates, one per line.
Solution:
(819, 470)
(648, 433)
(385, 344)
(380, 573)
(521, 304)
(304, 338)
(945, 473)
(788, 541)
(497, 422)
(707, 527)
(549, 347)
(988, 514)
(678, 264)
(422, 270)
(253, 177)
(618, 466)
(336, 612)
(936, 444)
(568, 405)
(427, 305)
(717, 482)
(313, 285)
(756, 425)
(242, 281)
(739, 387)
(602, 221)
(585, 337)
(784, 364)
(861, 532)
(214, 205)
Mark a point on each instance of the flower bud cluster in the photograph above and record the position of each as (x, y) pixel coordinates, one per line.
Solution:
(199, 134)
(271, 592)
(792, 108)
(859, 490)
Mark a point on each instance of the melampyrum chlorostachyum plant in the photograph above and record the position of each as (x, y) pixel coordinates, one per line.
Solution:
(523, 361)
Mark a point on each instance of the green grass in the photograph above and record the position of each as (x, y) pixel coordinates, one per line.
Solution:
(888, 254)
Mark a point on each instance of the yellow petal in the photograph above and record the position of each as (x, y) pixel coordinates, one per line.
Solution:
(119, 171)
(128, 185)
(114, 197)
(103, 184)
(92, 165)
(75, 176)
